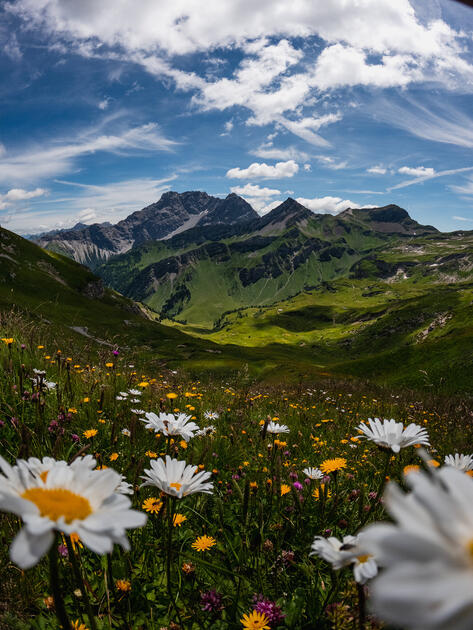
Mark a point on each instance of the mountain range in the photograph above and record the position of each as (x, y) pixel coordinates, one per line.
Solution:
(367, 293)
(172, 214)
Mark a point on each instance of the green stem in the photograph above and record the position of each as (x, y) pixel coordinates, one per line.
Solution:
(80, 582)
(55, 588)
(170, 509)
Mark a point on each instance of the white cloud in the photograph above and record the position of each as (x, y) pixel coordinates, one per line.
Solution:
(306, 128)
(377, 43)
(180, 27)
(104, 103)
(307, 167)
(445, 124)
(89, 203)
(341, 66)
(87, 216)
(329, 162)
(377, 170)
(418, 171)
(462, 219)
(265, 171)
(262, 210)
(327, 205)
(434, 175)
(253, 190)
(19, 194)
(269, 152)
(58, 155)
(261, 199)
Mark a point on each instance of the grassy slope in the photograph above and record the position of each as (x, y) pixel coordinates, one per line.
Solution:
(215, 286)
(416, 330)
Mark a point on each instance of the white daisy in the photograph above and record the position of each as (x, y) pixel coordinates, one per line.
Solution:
(349, 551)
(427, 553)
(126, 432)
(170, 425)
(41, 467)
(339, 553)
(313, 473)
(211, 415)
(274, 427)
(135, 392)
(460, 462)
(391, 434)
(70, 499)
(176, 478)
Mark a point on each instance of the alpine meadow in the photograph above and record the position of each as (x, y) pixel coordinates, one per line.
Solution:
(236, 315)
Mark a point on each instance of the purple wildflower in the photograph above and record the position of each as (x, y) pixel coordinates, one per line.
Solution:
(270, 609)
(211, 601)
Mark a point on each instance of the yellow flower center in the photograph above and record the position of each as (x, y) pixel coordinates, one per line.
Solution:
(176, 485)
(56, 502)
(363, 558)
(469, 546)
(44, 475)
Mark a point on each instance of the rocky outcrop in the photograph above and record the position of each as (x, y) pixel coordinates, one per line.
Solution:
(172, 214)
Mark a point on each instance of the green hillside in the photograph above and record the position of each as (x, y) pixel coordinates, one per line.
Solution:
(403, 314)
(200, 274)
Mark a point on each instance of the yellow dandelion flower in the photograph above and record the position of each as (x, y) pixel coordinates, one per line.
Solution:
(123, 585)
(178, 519)
(318, 493)
(183, 444)
(152, 505)
(203, 543)
(333, 465)
(410, 469)
(171, 395)
(90, 433)
(285, 489)
(143, 384)
(78, 625)
(255, 621)
(113, 457)
(151, 454)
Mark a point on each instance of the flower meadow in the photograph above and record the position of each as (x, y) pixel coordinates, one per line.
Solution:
(139, 497)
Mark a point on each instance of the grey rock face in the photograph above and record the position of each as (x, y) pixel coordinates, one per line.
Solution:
(172, 214)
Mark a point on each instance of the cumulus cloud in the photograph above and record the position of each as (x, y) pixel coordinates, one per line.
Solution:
(265, 171)
(327, 205)
(418, 171)
(261, 198)
(19, 194)
(377, 43)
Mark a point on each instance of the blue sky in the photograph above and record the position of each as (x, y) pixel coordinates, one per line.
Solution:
(104, 106)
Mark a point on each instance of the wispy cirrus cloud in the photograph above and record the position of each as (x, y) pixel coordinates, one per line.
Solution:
(429, 173)
(88, 204)
(429, 121)
(59, 156)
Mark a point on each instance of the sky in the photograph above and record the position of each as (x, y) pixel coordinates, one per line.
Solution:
(349, 103)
